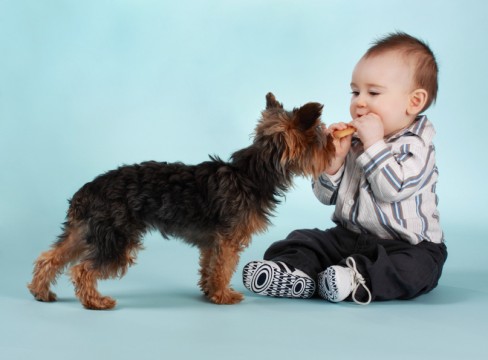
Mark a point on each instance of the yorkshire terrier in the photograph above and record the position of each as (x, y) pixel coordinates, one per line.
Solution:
(216, 206)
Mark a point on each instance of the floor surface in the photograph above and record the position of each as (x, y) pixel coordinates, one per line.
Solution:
(161, 314)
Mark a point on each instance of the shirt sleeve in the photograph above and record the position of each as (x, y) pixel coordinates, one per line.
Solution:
(395, 173)
(326, 187)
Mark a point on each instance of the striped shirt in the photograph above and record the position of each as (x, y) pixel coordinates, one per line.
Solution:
(389, 190)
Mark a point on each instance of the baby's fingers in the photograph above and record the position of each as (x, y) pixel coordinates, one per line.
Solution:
(335, 127)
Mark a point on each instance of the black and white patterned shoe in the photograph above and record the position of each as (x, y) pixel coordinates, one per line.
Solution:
(277, 279)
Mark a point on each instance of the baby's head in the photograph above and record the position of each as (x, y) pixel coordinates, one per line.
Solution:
(396, 79)
(417, 54)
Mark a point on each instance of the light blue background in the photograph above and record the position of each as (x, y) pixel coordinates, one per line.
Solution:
(86, 86)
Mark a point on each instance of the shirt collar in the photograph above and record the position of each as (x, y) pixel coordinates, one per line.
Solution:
(416, 128)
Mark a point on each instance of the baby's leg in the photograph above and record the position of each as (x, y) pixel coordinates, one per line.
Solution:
(311, 250)
(290, 266)
(399, 270)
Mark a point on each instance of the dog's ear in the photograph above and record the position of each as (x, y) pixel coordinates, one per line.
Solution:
(306, 116)
(272, 103)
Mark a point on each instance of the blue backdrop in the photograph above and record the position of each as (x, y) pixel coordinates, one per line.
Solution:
(86, 86)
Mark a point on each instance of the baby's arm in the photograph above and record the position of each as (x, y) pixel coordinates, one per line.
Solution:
(326, 186)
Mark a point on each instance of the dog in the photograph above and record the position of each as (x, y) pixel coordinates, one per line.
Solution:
(216, 206)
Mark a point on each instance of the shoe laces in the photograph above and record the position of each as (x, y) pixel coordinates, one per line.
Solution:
(358, 281)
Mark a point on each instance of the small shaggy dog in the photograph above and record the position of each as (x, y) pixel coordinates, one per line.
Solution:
(216, 206)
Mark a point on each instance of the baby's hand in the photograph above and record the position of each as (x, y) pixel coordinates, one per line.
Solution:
(343, 144)
(369, 129)
(342, 147)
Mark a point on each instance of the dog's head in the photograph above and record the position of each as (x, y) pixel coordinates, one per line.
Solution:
(297, 136)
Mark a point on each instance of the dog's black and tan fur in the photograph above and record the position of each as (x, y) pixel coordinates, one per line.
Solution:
(216, 206)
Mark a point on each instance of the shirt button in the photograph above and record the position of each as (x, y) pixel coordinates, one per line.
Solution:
(350, 202)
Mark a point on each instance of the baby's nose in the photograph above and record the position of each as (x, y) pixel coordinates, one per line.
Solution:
(359, 101)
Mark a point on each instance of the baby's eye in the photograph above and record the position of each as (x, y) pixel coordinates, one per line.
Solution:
(373, 93)
(354, 93)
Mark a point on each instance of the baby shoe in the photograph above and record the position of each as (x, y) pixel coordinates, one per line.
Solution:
(277, 279)
(336, 283)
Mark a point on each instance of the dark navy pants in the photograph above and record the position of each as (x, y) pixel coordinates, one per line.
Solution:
(393, 269)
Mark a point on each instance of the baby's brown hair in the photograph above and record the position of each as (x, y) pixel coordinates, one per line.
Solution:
(426, 69)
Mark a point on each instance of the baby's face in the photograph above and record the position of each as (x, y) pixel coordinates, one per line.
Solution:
(382, 84)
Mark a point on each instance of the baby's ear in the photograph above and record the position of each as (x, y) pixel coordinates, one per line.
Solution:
(306, 116)
(272, 103)
(417, 101)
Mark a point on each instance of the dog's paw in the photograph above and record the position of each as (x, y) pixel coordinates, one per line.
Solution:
(45, 296)
(226, 297)
(41, 293)
(99, 303)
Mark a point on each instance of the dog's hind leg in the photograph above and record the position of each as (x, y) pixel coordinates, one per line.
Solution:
(85, 276)
(222, 265)
(205, 260)
(51, 263)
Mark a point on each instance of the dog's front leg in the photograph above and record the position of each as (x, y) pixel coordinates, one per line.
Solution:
(222, 264)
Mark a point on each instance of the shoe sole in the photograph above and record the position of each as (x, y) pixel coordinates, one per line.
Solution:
(264, 279)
